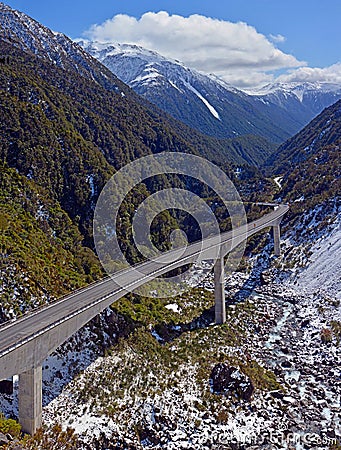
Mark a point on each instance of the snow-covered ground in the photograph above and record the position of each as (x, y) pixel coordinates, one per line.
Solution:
(283, 334)
(323, 272)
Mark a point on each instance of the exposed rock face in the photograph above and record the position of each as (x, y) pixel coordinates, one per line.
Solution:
(230, 381)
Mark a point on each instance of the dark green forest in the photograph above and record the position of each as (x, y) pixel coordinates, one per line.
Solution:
(62, 137)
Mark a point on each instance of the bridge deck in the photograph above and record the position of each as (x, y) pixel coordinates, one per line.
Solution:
(100, 295)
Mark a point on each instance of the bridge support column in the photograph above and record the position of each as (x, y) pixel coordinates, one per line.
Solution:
(219, 291)
(277, 239)
(30, 400)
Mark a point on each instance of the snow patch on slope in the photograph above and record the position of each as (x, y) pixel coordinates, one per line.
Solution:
(147, 76)
(324, 269)
(212, 110)
(173, 84)
(278, 181)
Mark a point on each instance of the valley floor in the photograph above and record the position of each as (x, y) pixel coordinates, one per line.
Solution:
(154, 388)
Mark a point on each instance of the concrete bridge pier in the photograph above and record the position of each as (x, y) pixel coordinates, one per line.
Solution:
(219, 291)
(30, 400)
(276, 229)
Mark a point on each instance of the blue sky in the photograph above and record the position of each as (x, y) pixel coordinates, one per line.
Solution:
(309, 31)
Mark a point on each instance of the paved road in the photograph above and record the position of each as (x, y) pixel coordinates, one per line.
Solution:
(14, 333)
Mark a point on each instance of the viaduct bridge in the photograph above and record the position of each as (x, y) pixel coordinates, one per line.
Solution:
(25, 343)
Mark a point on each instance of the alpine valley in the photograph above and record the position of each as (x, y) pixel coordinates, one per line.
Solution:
(157, 373)
(207, 103)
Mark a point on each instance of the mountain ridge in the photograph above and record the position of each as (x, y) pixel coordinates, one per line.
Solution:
(190, 96)
(208, 103)
(30, 36)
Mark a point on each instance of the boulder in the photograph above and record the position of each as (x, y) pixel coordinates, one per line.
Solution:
(3, 439)
(231, 381)
(265, 278)
(305, 323)
(277, 394)
(286, 364)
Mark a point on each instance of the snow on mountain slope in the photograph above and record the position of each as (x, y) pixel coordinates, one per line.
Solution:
(201, 101)
(323, 272)
(302, 100)
(29, 35)
(275, 112)
(299, 89)
(163, 82)
(212, 110)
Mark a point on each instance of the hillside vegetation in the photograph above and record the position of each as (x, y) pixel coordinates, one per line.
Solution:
(311, 167)
(42, 252)
(322, 131)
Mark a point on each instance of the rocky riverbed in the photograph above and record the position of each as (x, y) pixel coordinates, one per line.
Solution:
(269, 378)
(294, 336)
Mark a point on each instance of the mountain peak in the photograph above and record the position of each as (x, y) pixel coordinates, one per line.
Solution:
(208, 103)
(295, 87)
(31, 36)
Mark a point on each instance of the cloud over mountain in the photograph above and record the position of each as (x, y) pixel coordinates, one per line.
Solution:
(237, 52)
(331, 74)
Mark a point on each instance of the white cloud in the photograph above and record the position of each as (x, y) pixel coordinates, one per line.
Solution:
(234, 51)
(277, 38)
(331, 74)
(244, 79)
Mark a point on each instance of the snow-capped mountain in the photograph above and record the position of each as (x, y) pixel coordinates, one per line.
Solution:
(302, 100)
(302, 91)
(20, 33)
(209, 104)
(201, 101)
(25, 33)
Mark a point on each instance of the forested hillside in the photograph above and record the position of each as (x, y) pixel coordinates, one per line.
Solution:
(42, 256)
(322, 131)
(59, 129)
(313, 190)
(62, 137)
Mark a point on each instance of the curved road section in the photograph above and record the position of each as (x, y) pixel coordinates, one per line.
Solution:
(26, 342)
